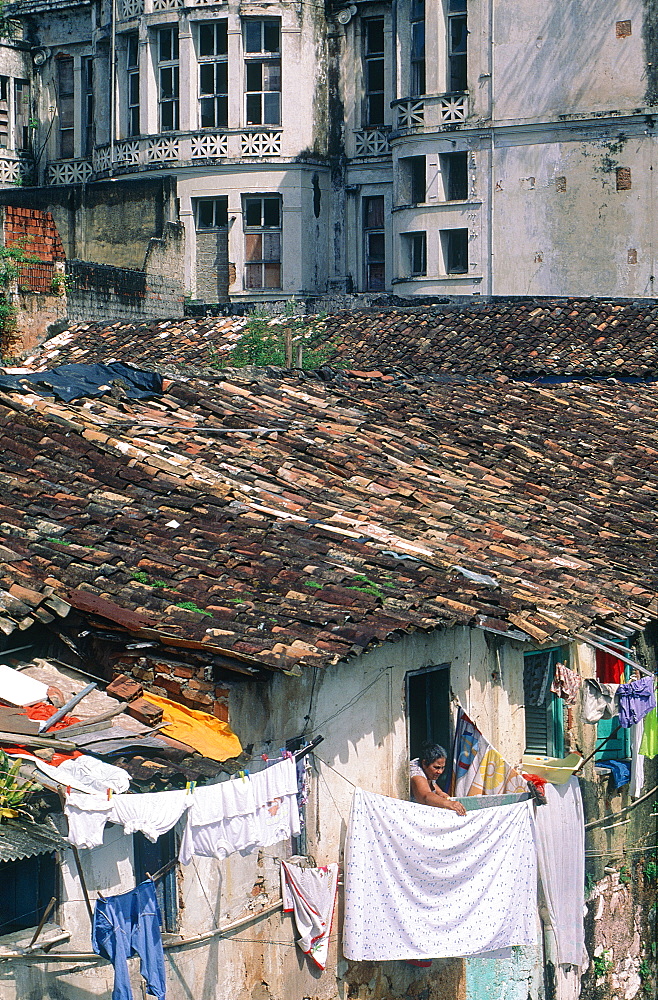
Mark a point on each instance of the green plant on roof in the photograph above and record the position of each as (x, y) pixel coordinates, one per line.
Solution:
(313, 583)
(141, 577)
(13, 791)
(365, 585)
(261, 345)
(602, 964)
(58, 541)
(159, 584)
(191, 606)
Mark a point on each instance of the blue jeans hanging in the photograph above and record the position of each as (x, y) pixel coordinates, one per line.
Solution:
(127, 925)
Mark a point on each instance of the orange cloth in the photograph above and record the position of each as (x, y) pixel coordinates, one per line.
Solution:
(42, 711)
(202, 732)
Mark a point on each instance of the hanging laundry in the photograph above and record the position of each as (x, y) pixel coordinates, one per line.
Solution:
(478, 768)
(566, 683)
(598, 701)
(222, 818)
(151, 813)
(126, 925)
(649, 744)
(609, 668)
(84, 773)
(426, 883)
(275, 793)
(87, 816)
(619, 770)
(310, 894)
(560, 838)
(637, 760)
(636, 699)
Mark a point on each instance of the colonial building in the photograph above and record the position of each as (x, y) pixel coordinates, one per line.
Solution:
(458, 147)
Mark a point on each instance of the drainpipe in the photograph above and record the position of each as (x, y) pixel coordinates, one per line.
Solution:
(113, 80)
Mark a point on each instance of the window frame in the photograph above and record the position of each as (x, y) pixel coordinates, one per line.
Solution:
(374, 103)
(4, 112)
(146, 855)
(457, 30)
(219, 213)
(66, 109)
(372, 261)
(620, 747)
(451, 253)
(260, 108)
(416, 251)
(417, 76)
(447, 166)
(264, 262)
(218, 60)
(45, 885)
(431, 700)
(168, 98)
(133, 102)
(88, 105)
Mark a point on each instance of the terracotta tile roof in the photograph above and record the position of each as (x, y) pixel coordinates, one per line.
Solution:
(518, 337)
(279, 522)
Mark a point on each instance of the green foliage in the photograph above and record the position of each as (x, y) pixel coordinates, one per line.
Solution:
(191, 606)
(262, 345)
(160, 584)
(590, 881)
(58, 541)
(602, 964)
(650, 871)
(13, 791)
(10, 259)
(313, 583)
(625, 876)
(365, 585)
(141, 577)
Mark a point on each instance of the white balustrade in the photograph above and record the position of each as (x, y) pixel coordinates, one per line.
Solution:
(371, 142)
(69, 172)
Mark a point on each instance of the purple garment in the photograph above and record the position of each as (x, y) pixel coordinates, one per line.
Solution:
(635, 700)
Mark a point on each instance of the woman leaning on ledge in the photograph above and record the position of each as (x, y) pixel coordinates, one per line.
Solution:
(424, 773)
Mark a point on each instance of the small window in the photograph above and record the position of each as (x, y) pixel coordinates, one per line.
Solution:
(454, 173)
(374, 235)
(544, 711)
(149, 859)
(4, 112)
(211, 213)
(454, 246)
(373, 57)
(263, 74)
(66, 108)
(262, 242)
(88, 119)
(22, 114)
(416, 253)
(213, 74)
(26, 888)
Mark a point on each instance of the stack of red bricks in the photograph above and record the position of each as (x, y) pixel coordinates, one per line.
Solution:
(34, 232)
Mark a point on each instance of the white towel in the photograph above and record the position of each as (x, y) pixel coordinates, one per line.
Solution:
(151, 813)
(560, 837)
(222, 819)
(310, 894)
(87, 815)
(422, 882)
(275, 794)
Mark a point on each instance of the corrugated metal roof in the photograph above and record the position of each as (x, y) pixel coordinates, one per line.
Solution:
(25, 840)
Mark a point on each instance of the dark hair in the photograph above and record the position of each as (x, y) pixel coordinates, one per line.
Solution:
(429, 752)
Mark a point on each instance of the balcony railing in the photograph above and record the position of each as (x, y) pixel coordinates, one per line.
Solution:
(430, 112)
(371, 142)
(68, 172)
(133, 8)
(15, 169)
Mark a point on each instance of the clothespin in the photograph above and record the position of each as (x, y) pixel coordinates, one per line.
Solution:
(247, 772)
(68, 789)
(109, 793)
(264, 756)
(190, 786)
(241, 773)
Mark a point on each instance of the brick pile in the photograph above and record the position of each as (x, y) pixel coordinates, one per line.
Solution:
(33, 231)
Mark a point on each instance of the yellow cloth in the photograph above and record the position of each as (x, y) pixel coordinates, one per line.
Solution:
(496, 777)
(203, 732)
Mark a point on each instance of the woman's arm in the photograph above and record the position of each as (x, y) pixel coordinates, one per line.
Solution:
(422, 793)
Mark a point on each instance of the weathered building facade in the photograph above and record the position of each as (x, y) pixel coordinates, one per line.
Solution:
(463, 147)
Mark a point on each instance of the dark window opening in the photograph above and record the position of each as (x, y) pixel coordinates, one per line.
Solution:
(26, 888)
(428, 711)
(457, 46)
(213, 74)
(132, 65)
(417, 243)
(417, 48)
(454, 170)
(149, 859)
(374, 71)
(88, 119)
(211, 213)
(374, 244)
(66, 108)
(455, 250)
(168, 79)
(262, 76)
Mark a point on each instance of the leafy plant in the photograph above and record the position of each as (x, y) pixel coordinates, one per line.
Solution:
(191, 606)
(10, 259)
(625, 876)
(159, 584)
(141, 577)
(365, 585)
(590, 881)
(602, 964)
(13, 791)
(261, 345)
(58, 541)
(650, 871)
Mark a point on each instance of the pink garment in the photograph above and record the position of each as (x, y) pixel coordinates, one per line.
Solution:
(566, 683)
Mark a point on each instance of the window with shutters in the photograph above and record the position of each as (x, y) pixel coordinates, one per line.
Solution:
(453, 169)
(66, 108)
(544, 711)
(87, 66)
(4, 112)
(212, 52)
(168, 78)
(262, 241)
(262, 53)
(21, 115)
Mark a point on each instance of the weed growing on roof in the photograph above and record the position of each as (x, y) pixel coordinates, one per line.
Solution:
(159, 584)
(58, 541)
(365, 585)
(191, 606)
(141, 577)
(313, 583)
(261, 345)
